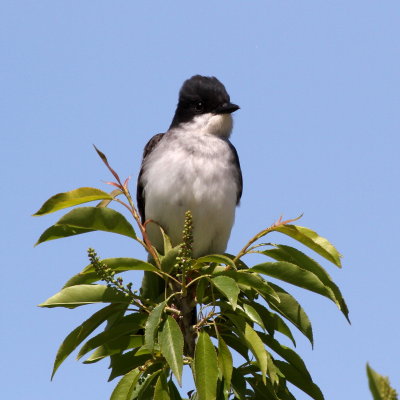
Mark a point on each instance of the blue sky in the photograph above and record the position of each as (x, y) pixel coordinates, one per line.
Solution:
(318, 133)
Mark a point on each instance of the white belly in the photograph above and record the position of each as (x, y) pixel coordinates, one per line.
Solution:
(177, 179)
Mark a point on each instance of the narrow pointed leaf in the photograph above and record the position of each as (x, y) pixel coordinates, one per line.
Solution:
(99, 219)
(299, 380)
(153, 321)
(173, 391)
(161, 390)
(205, 368)
(169, 261)
(312, 240)
(59, 232)
(79, 334)
(380, 386)
(262, 391)
(239, 384)
(273, 322)
(80, 295)
(166, 241)
(249, 280)
(201, 289)
(292, 310)
(225, 363)
(236, 344)
(121, 364)
(240, 264)
(171, 345)
(253, 315)
(216, 258)
(115, 346)
(72, 198)
(257, 348)
(88, 219)
(295, 275)
(228, 287)
(120, 264)
(146, 391)
(374, 381)
(286, 353)
(129, 324)
(124, 389)
(253, 341)
(105, 161)
(294, 256)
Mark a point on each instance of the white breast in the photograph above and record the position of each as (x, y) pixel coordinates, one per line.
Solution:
(191, 171)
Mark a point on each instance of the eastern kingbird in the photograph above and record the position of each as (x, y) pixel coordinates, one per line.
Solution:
(193, 166)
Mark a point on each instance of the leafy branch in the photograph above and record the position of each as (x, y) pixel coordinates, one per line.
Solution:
(208, 307)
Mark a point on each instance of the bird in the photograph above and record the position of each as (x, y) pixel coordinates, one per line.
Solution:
(193, 166)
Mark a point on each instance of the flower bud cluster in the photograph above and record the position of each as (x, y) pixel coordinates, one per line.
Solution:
(106, 274)
(186, 250)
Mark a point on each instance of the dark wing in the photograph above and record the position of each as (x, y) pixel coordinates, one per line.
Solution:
(150, 146)
(239, 177)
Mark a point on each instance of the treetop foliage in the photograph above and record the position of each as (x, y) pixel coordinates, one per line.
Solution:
(217, 314)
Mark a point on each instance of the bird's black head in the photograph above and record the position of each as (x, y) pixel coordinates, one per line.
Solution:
(202, 95)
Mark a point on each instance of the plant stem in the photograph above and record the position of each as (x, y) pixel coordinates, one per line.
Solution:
(259, 235)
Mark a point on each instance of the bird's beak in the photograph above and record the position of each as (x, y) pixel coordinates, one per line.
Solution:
(227, 108)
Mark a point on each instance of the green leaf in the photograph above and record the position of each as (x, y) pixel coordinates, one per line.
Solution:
(253, 315)
(312, 240)
(161, 391)
(257, 348)
(87, 219)
(380, 386)
(121, 364)
(286, 353)
(240, 264)
(228, 287)
(115, 346)
(119, 264)
(169, 261)
(129, 324)
(153, 321)
(295, 275)
(239, 384)
(72, 198)
(374, 380)
(262, 391)
(200, 290)
(294, 256)
(170, 339)
(253, 342)
(153, 287)
(124, 389)
(216, 258)
(292, 310)
(79, 334)
(249, 280)
(205, 369)
(59, 232)
(166, 240)
(273, 322)
(299, 380)
(146, 389)
(173, 391)
(225, 364)
(80, 295)
(100, 219)
(235, 343)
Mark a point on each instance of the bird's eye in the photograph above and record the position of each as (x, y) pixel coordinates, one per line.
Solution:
(199, 106)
